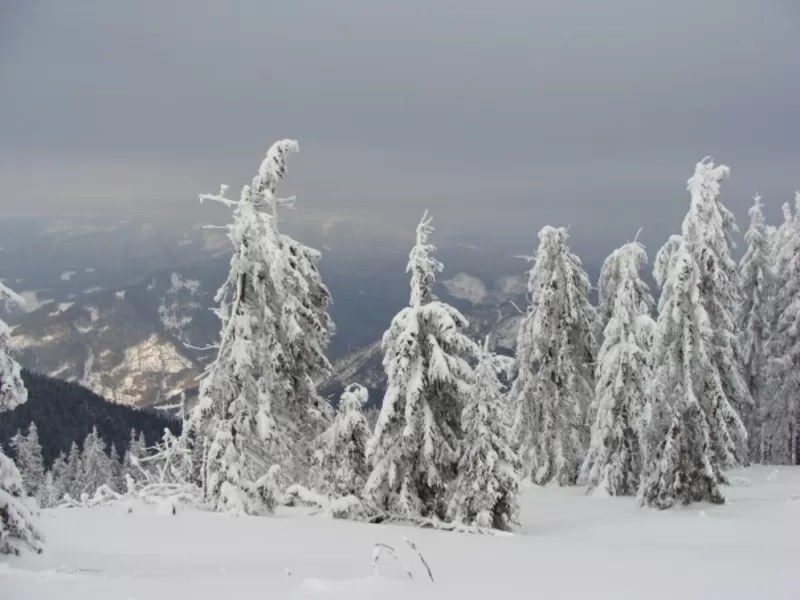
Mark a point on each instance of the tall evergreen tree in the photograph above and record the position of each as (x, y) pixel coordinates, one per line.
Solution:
(781, 407)
(49, 492)
(28, 458)
(624, 369)
(258, 405)
(780, 238)
(554, 362)
(414, 449)
(682, 464)
(61, 483)
(18, 528)
(487, 487)
(342, 458)
(97, 467)
(73, 478)
(117, 475)
(756, 282)
(611, 275)
(707, 230)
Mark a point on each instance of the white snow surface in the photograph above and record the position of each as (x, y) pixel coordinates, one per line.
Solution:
(569, 546)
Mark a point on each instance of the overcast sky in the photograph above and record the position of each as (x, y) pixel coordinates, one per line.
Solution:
(491, 113)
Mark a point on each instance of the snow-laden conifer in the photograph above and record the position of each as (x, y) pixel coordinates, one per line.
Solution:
(306, 328)
(611, 274)
(554, 381)
(414, 449)
(487, 487)
(258, 405)
(756, 283)
(780, 408)
(614, 462)
(342, 461)
(96, 464)
(682, 466)
(780, 238)
(49, 495)
(117, 476)
(60, 478)
(73, 478)
(12, 388)
(29, 461)
(18, 528)
(707, 230)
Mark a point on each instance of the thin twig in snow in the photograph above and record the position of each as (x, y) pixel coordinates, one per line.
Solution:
(422, 558)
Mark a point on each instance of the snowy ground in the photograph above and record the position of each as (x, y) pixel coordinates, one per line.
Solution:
(570, 546)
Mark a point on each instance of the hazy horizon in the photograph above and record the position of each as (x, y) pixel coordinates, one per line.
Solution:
(498, 117)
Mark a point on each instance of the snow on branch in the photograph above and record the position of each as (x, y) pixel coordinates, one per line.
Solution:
(347, 507)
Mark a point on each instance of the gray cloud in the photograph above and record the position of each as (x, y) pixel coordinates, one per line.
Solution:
(505, 113)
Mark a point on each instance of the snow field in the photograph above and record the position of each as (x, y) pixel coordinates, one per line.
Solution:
(569, 546)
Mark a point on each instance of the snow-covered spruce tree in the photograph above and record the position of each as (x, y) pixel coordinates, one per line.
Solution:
(97, 468)
(29, 461)
(554, 381)
(607, 286)
(780, 406)
(342, 462)
(18, 528)
(61, 483)
(73, 478)
(49, 496)
(306, 328)
(756, 283)
(12, 388)
(137, 450)
(615, 460)
(487, 487)
(414, 449)
(117, 478)
(780, 237)
(257, 402)
(682, 466)
(707, 231)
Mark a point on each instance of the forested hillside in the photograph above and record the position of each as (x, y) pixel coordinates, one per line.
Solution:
(66, 412)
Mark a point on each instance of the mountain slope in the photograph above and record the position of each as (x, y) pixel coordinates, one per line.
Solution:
(65, 412)
(130, 345)
(144, 342)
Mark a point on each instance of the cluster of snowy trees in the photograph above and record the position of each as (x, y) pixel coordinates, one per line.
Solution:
(78, 474)
(628, 397)
(259, 407)
(659, 403)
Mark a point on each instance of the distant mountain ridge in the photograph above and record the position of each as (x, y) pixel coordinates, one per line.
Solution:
(144, 342)
(135, 345)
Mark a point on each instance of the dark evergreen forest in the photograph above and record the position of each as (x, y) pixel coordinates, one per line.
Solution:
(65, 412)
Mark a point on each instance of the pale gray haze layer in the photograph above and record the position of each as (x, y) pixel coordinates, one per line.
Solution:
(497, 115)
